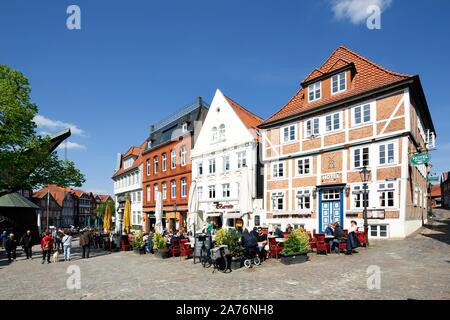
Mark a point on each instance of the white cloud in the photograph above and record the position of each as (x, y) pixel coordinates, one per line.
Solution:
(71, 146)
(43, 122)
(356, 10)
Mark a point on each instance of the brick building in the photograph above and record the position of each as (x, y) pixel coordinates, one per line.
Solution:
(349, 113)
(167, 167)
(445, 190)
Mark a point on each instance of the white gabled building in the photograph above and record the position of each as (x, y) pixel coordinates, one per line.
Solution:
(228, 141)
(128, 183)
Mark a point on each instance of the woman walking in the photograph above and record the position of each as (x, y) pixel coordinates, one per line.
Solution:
(67, 245)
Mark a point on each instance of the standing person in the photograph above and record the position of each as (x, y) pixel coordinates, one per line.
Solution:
(54, 236)
(27, 243)
(46, 246)
(58, 240)
(67, 245)
(10, 247)
(85, 243)
(4, 238)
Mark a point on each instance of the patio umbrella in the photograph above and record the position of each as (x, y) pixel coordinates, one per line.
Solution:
(193, 206)
(127, 216)
(245, 192)
(107, 220)
(158, 212)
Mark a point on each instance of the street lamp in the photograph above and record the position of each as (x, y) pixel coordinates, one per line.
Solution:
(365, 177)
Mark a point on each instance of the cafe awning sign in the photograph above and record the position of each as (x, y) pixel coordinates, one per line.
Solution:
(420, 158)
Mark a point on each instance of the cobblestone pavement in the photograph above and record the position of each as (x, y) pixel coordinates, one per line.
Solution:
(414, 268)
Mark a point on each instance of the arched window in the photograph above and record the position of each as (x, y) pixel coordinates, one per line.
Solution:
(222, 132)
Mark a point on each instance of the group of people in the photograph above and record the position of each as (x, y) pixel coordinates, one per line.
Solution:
(335, 230)
(10, 244)
(59, 240)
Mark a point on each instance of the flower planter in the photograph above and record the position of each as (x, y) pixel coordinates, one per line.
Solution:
(293, 258)
(163, 254)
(236, 263)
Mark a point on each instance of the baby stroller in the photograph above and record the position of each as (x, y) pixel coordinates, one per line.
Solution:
(251, 257)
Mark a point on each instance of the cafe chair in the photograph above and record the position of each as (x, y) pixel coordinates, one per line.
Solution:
(312, 242)
(174, 248)
(185, 250)
(274, 247)
(321, 243)
(362, 238)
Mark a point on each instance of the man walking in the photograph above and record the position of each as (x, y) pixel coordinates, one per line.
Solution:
(10, 247)
(67, 245)
(27, 244)
(85, 243)
(46, 245)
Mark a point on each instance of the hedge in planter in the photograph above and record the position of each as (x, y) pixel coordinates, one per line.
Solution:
(231, 239)
(160, 245)
(296, 247)
(138, 241)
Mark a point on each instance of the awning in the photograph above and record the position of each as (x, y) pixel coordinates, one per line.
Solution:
(15, 200)
(213, 214)
(233, 215)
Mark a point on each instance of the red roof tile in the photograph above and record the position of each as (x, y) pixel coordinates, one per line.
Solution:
(248, 118)
(436, 190)
(368, 76)
(137, 151)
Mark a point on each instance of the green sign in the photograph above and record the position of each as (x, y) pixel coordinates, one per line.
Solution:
(420, 158)
(433, 179)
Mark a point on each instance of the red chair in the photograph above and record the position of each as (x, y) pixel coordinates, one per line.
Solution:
(312, 242)
(185, 250)
(174, 248)
(321, 243)
(274, 247)
(125, 244)
(362, 238)
(345, 233)
(286, 234)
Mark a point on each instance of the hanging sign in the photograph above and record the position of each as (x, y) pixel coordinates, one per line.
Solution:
(420, 158)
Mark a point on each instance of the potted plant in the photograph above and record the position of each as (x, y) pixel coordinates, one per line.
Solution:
(231, 239)
(138, 242)
(160, 245)
(296, 247)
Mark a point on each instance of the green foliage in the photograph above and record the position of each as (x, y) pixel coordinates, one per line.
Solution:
(231, 239)
(297, 242)
(101, 209)
(159, 241)
(138, 240)
(25, 160)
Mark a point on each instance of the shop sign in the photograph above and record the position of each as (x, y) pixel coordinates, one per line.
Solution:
(420, 158)
(330, 177)
(223, 206)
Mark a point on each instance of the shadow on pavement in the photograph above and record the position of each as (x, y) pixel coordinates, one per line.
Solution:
(439, 226)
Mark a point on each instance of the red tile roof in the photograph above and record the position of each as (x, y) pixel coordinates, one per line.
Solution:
(137, 151)
(368, 76)
(58, 193)
(248, 118)
(436, 190)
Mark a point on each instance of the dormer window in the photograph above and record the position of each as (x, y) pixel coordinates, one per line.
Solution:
(184, 127)
(314, 91)
(149, 144)
(338, 83)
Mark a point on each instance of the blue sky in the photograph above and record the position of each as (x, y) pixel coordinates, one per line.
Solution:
(134, 62)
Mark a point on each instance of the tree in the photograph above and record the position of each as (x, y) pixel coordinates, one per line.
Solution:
(101, 209)
(26, 160)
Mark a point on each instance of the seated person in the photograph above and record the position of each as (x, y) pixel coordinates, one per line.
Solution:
(254, 232)
(289, 228)
(262, 239)
(329, 229)
(352, 238)
(277, 232)
(338, 235)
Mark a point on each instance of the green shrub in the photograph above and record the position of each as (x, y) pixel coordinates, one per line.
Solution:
(297, 242)
(138, 240)
(159, 241)
(231, 239)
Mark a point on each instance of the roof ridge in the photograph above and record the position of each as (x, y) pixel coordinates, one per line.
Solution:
(373, 63)
(245, 109)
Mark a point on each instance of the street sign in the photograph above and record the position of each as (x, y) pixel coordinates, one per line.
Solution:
(420, 158)
(433, 179)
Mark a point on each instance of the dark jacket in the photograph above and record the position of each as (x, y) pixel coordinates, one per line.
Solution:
(10, 245)
(27, 241)
(85, 238)
(278, 233)
(249, 240)
(338, 233)
(329, 231)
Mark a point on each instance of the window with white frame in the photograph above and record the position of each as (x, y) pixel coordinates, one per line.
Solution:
(386, 153)
(200, 192)
(164, 190)
(338, 83)
(277, 201)
(226, 190)
(226, 163)
(173, 189)
(148, 194)
(184, 127)
(139, 196)
(164, 162)
(214, 135)
(420, 198)
(386, 193)
(289, 133)
(173, 159)
(304, 166)
(183, 155)
(200, 168)
(303, 199)
(212, 192)
(155, 165)
(416, 196)
(278, 170)
(242, 159)
(359, 198)
(378, 231)
(312, 127)
(212, 166)
(361, 114)
(360, 157)
(332, 122)
(183, 188)
(314, 91)
(155, 191)
(222, 132)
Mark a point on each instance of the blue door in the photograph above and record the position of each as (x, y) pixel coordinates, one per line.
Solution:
(330, 207)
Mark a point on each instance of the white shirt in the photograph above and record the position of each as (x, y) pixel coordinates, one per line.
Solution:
(67, 240)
